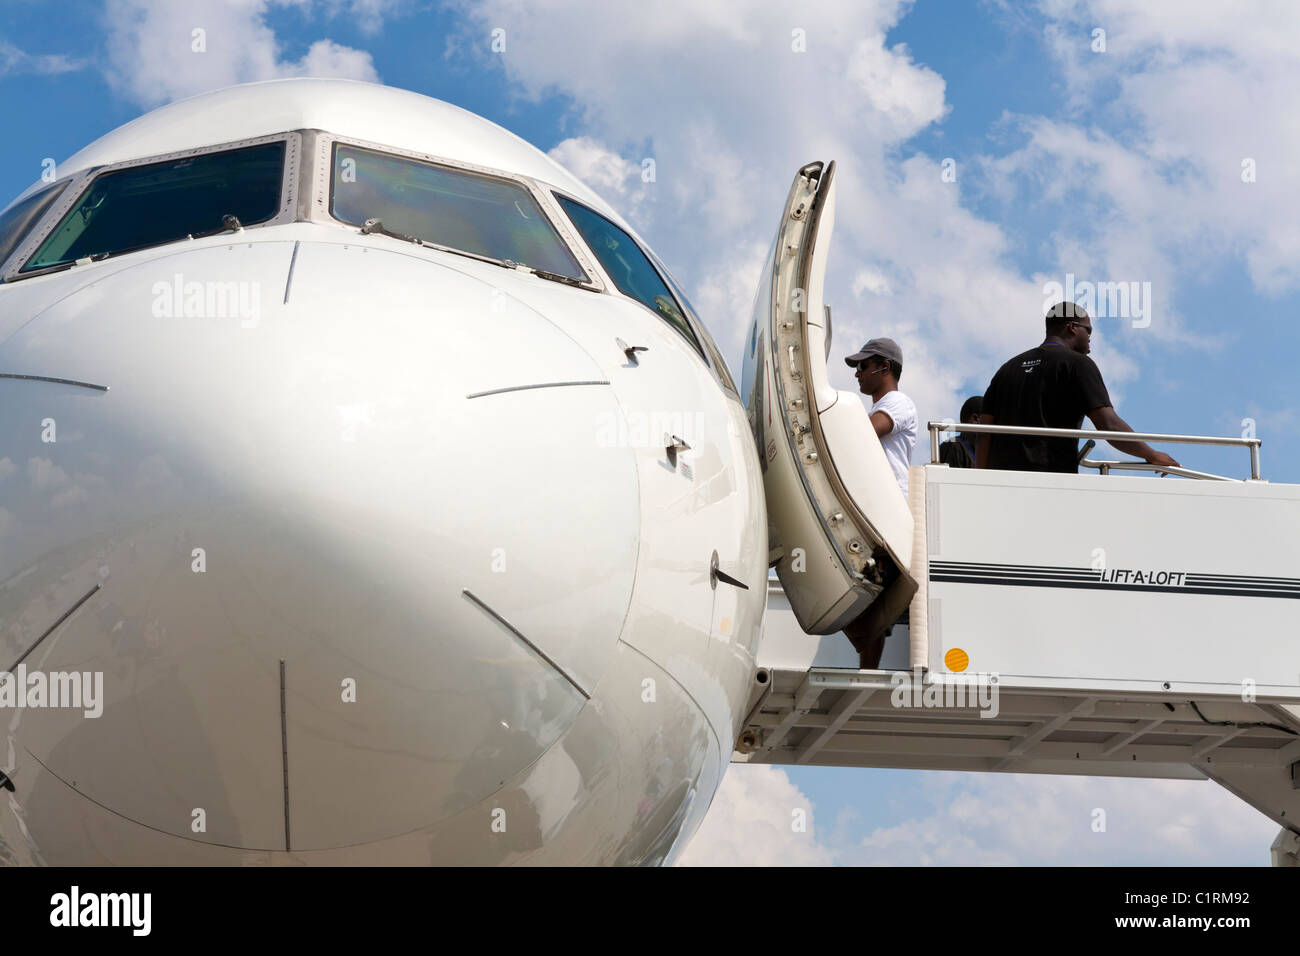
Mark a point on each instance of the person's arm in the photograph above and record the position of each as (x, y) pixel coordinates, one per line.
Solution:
(882, 423)
(982, 442)
(1107, 420)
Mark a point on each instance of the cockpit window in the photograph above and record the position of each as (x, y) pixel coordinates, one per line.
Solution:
(461, 210)
(711, 347)
(18, 219)
(628, 266)
(142, 206)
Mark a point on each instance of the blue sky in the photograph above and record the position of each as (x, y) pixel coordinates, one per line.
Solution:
(1122, 164)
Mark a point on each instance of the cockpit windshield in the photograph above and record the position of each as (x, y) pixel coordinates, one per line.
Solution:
(21, 216)
(628, 266)
(464, 211)
(142, 206)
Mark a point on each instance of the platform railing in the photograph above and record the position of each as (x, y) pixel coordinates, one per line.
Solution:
(1252, 444)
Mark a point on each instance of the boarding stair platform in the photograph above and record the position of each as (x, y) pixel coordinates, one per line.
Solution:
(1130, 625)
(1145, 629)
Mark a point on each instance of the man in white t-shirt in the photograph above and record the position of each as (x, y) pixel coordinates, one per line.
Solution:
(880, 366)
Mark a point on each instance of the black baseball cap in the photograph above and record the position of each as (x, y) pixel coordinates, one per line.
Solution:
(885, 348)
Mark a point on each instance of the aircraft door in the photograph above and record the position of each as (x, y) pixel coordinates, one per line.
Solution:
(839, 528)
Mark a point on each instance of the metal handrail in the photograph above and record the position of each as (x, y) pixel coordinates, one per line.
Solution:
(1105, 467)
(937, 428)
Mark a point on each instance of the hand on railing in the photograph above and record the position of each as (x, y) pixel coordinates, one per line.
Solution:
(1160, 458)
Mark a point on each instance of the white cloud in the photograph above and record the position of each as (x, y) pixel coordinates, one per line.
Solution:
(979, 819)
(1144, 161)
(44, 473)
(327, 58)
(604, 170)
(155, 55)
(729, 111)
(871, 280)
(725, 283)
(1148, 160)
(751, 823)
(368, 16)
(1026, 820)
(76, 495)
(7, 468)
(908, 97)
(14, 60)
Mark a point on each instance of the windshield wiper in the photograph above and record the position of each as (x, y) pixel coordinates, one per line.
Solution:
(372, 226)
(229, 223)
(376, 226)
(556, 277)
(63, 266)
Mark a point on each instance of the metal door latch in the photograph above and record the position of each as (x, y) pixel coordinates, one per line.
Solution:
(631, 350)
(672, 445)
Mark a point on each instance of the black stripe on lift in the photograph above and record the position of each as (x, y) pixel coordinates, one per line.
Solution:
(1081, 579)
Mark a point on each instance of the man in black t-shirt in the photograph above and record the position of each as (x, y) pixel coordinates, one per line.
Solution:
(1052, 386)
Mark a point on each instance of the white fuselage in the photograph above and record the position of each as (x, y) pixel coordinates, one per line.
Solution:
(380, 549)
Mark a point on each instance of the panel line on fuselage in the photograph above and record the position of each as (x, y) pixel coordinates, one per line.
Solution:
(520, 388)
(519, 634)
(55, 381)
(55, 626)
(293, 261)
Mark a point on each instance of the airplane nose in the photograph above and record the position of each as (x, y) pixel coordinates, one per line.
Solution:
(348, 548)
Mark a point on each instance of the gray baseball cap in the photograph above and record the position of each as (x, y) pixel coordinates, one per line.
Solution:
(885, 348)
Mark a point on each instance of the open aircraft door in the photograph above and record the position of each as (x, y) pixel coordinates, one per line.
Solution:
(839, 527)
